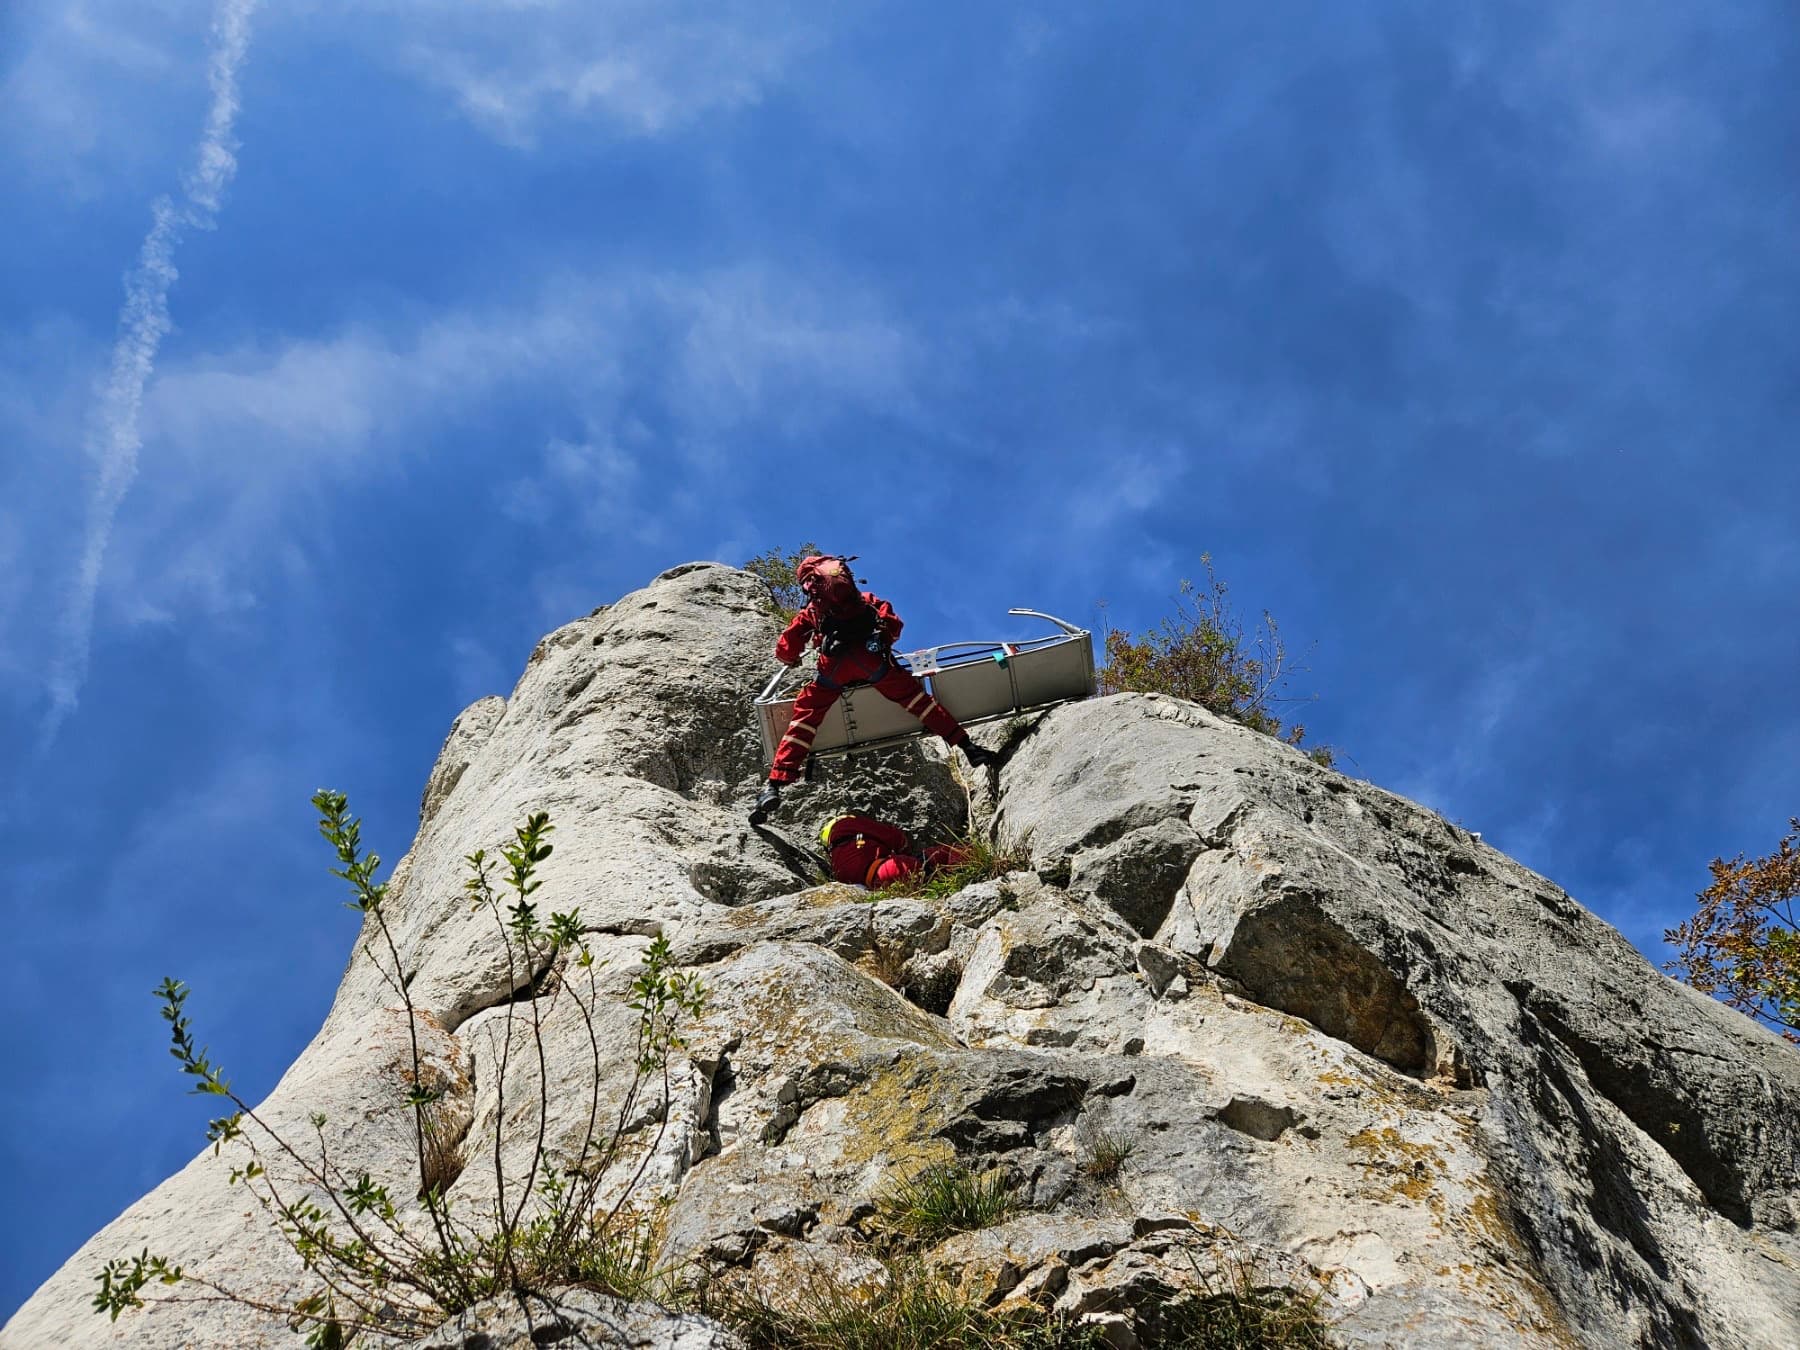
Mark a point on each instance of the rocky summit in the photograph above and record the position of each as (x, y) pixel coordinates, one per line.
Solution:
(1341, 1042)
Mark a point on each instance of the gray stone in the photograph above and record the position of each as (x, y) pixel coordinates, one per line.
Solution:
(1635, 1130)
(1158, 965)
(1140, 874)
(577, 1319)
(1259, 1119)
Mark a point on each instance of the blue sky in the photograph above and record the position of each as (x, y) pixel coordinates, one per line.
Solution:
(1461, 336)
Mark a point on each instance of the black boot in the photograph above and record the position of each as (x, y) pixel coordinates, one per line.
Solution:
(979, 755)
(766, 802)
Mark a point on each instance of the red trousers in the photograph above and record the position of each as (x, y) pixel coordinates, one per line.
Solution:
(818, 696)
(875, 860)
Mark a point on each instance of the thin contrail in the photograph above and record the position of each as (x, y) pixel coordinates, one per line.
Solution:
(113, 439)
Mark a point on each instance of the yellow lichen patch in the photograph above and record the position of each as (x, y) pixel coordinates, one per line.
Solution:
(895, 1117)
(1503, 1283)
(1386, 1090)
(833, 893)
(1485, 1216)
(828, 896)
(1403, 1167)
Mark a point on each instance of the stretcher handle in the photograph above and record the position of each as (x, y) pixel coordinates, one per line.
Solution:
(774, 683)
(1063, 624)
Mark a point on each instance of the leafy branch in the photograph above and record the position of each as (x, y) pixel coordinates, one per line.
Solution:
(373, 1275)
(1742, 944)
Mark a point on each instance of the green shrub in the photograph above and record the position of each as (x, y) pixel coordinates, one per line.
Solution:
(381, 1271)
(1204, 653)
(775, 569)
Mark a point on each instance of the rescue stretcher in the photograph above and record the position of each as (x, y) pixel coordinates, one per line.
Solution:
(974, 681)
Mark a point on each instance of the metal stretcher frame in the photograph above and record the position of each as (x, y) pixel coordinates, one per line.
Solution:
(975, 682)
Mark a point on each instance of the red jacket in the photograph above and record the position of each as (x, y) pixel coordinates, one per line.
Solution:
(807, 629)
(860, 844)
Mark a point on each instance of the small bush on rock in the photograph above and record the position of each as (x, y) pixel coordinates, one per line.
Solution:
(775, 569)
(391, 1268)
(1203, 652)
(911, 1308)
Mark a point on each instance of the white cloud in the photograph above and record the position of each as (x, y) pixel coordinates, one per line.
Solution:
(114, 441)
(754, 339)
(254, 446)
(1116, 487)
(308, 398)
(597, 476)
(12, 586)
(716, 349)
(1622, 79)
(73, 83)
(1051, 322)
(644, 67)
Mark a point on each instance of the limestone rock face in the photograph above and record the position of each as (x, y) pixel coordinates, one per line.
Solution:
(1340, 1043)
(576, 1319)
(1636, 1145)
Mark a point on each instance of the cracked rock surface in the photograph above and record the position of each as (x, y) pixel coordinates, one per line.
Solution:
(1344, 1046)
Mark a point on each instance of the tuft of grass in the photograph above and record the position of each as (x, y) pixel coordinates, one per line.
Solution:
(985, 860)
(442, 1155)
(943, 1199)
(911, 1309)
(1236, 1310)
(1106, 1155)
(1252, 1319)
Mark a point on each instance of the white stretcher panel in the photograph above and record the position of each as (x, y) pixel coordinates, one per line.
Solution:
(974, 681)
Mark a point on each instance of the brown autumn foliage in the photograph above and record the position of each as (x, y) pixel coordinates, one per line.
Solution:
(1742, 945)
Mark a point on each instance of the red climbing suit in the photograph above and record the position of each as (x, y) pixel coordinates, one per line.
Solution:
(869, 852)
(852, 664)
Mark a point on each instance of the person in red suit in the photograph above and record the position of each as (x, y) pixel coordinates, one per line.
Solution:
(868, 852)
(854, 632)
